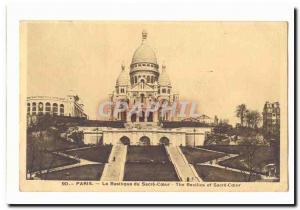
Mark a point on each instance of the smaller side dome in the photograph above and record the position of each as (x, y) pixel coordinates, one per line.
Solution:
(123, 78)
(164, 79)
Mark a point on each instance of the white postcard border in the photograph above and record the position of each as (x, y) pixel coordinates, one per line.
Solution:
(134, 10)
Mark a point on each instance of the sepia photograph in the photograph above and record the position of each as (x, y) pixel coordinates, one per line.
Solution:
(153, 106)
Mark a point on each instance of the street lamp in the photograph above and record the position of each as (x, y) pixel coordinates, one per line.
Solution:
(194, 137)
(97, 137)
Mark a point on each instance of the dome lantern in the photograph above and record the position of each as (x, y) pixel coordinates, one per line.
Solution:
(144, 35)
(144, 53)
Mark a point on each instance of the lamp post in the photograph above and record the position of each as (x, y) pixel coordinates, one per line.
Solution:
(194, 137)
(97, 137)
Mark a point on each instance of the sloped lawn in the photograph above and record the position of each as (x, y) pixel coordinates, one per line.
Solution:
(233, 149)
(214, 174)
(97, 154)
(148, 163)
(194, 155)
(262, 157)
(61, 145)
(146, 154)
(45, 160)
(150, 172)
(88, 172)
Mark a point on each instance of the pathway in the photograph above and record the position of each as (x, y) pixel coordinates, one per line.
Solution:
(81, 148)
(209, 150)
(215, 163)
(114, 169)
(185, 171)
(82, 162)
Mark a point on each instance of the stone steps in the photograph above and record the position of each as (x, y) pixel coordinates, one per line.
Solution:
(185, 171)
(114, 169)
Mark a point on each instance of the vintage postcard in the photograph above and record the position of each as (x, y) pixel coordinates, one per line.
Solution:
(153, 106)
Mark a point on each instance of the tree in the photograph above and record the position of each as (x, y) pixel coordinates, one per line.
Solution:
(256, 118)
(253, 118)
(240, 112)
(250, 148)
(223, 127)
(77, 137)
(38, 149)
(216, 120)
(76, 98)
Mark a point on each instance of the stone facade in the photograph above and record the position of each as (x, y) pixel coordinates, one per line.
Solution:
(144, 84)
(271, 117)
(146, 136)
(42, 105)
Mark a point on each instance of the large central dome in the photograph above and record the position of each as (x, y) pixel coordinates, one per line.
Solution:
(144, 53)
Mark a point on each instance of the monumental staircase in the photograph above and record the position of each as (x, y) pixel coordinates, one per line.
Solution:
(114, 169)
(185, 171)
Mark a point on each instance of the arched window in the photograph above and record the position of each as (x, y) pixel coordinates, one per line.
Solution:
(163, 90)
(28, 108)
(142, 98)
(164, 141)
(40, 108)
(62, 110)
(150, 117)
(133, 117)
(152, 79)
(144, 140)
(123, 115)
(148, 79)
(33, 108)
(169, 91)
(142, 83)
(48, 108)
(135, 79)
(55, 109)
(125, 140)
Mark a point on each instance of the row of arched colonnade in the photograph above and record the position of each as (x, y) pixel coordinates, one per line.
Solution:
(153, 136)
(39, 108)
(144, 140)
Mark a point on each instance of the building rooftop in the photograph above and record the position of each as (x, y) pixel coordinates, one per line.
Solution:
(180, 124)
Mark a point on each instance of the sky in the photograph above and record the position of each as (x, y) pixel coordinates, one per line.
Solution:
(219, 65)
